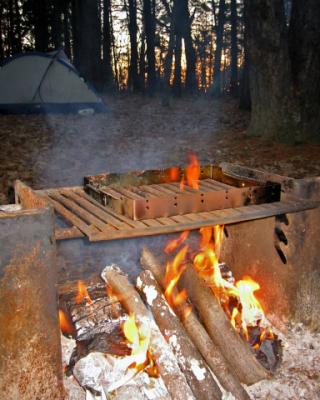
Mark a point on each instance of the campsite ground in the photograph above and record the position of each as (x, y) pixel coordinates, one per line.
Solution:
(138, 133)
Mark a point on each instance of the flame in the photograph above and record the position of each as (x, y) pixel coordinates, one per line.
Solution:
(192, 173)
(83, 294)
(139, 341)
(248, 311)
(174, 173)
(174, 271)
(175, 243)
(237, 299)
(252, 311)
(65, 324)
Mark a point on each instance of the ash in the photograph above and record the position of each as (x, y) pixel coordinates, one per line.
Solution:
(298, 376)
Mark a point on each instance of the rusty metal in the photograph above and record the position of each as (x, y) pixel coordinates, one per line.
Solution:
(282, 255)
(30, 353)
(155, 193)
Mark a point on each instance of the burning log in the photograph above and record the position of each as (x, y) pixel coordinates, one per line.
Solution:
(169, 369)
(209, 351)
(190, 361)
(235, 350)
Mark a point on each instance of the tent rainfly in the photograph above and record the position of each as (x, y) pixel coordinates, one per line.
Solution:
(45, 83)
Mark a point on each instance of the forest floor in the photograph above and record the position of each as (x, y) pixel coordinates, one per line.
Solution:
(138, 133)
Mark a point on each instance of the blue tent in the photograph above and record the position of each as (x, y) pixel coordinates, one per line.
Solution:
(44, 83)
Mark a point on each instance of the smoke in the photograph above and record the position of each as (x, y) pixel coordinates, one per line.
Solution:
(135, 134)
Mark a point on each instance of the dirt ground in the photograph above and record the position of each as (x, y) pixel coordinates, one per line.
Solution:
(138, 133)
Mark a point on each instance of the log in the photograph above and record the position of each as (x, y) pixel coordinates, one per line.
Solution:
(169, 369)
(235, 350)
(190, 361)
(209, 351)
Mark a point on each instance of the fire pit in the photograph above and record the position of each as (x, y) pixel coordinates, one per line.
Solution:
(268, 237)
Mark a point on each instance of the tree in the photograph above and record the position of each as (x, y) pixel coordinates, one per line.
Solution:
(234, 48)
(87, 39)
(1, 35)
(107, 46)
(216, 91)
(56, 23)
(284, 84)
(149, 28)
(41, 24)
(191, 82)
(304, 48)
(133, 81)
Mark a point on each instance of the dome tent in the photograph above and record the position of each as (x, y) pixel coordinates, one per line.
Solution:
(43, 83)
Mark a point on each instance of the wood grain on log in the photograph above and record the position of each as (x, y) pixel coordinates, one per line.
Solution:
(190, 361)
(209, 351)
(235, 350)
(169, 369)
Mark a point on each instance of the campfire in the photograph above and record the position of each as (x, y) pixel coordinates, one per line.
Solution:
(195, 323)
(167, 332)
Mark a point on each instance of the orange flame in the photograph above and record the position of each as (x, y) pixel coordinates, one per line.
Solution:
(65, 324)
(83, 294)
(174, 271)
(249, 311)
(174, 173)
(175, 243)
(192, 173)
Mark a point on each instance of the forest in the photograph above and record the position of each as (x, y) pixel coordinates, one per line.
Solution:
(266, 53)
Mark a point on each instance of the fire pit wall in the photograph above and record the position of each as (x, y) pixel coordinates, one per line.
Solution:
(30, 350)
(282, 254)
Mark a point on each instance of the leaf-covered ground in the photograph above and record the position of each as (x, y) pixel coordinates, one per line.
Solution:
(138, 133)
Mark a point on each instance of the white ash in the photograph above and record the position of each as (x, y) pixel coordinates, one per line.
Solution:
(109, 377)
(151, 294)
(142, 387)
(199, 373)
(298, 376)
(67, 347)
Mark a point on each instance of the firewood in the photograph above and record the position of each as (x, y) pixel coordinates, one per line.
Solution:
(169, 369)
(235, 350)
(190, 361)
(209, 351)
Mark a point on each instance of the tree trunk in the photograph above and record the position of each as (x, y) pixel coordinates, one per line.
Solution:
(191, 81)
(133, 82)
(107, 46)
(304, 46)
(41, 25)
(168, 63)
(142, 62)
(274, 112)
(177, 66)
(149, 28)
(234, 48)
(245, 98)
(66, 28)
(87, 39)
(1, 35)
(57, 26)
(178, 31)
(216, 90)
